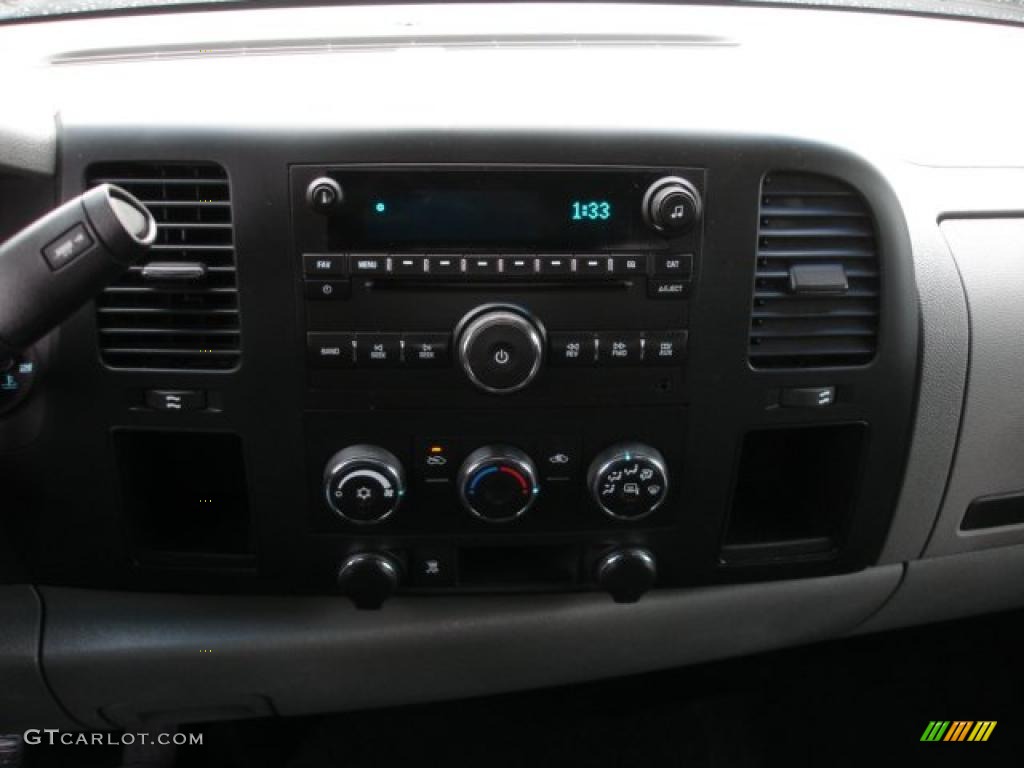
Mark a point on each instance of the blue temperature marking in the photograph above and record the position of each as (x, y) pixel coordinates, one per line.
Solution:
(480, 476)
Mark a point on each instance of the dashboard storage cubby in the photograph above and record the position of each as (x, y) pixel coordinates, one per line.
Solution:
(795, 488)
(184, 494)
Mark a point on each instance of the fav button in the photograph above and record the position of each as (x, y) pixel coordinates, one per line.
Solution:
(326, 264)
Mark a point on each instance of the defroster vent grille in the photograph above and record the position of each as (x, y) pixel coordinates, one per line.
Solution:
(817, 282)
(178, 310)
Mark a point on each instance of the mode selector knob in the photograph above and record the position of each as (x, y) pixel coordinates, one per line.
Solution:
(364, 484)
(672, 206)
(500, 348)
(498, 483)
(628, 481)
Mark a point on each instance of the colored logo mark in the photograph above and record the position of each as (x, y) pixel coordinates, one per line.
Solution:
(958, 730)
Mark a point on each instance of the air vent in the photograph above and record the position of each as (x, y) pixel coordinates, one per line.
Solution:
(178, 310)
(816, 285)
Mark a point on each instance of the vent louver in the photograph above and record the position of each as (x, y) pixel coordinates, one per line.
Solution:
(816, 286)
(179, 310)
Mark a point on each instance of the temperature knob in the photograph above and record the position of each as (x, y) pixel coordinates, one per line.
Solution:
(498, 483)
(628, 481)
(364, 484)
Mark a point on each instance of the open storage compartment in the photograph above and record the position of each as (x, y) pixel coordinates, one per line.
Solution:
(185, 495)
(795, 488)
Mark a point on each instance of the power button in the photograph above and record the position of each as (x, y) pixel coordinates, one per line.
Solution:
(500, 349)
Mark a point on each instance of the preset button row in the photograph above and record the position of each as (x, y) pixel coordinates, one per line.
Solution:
(599, 265)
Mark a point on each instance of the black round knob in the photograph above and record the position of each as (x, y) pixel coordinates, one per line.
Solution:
(498, 483)
(364, 484)
(324, 195)
(368, 579)
(500, 348)
(626, 574)
(628, 481)
(672, 206)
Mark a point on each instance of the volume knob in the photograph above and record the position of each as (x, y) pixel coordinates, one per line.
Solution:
(501, 348)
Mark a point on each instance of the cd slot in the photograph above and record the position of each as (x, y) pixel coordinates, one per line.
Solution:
(500, 284)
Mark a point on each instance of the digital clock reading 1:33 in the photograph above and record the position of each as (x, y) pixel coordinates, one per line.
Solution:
(590, 210)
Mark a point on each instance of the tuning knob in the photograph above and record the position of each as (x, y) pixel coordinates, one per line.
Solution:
(368, 579)
(500, 348)
(498, 483)
(672, 206)
(628, 481)
(364, 484)
(626, 574)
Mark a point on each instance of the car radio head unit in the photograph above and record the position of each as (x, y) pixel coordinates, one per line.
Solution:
(493, 208)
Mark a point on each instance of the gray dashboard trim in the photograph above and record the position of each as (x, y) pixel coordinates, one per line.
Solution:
(140, 653)
(990, 453)
(25, 700)
(943, 372)
(943, 588)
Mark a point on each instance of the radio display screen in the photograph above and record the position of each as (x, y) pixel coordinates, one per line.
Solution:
(490, 208)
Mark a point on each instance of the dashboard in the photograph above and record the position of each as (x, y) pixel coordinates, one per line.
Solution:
(481, 349)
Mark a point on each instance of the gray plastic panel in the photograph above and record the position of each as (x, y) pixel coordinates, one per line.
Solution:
(990, 456)
(942, 588)
(144, 653)
(943, 373)
(25, 701)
